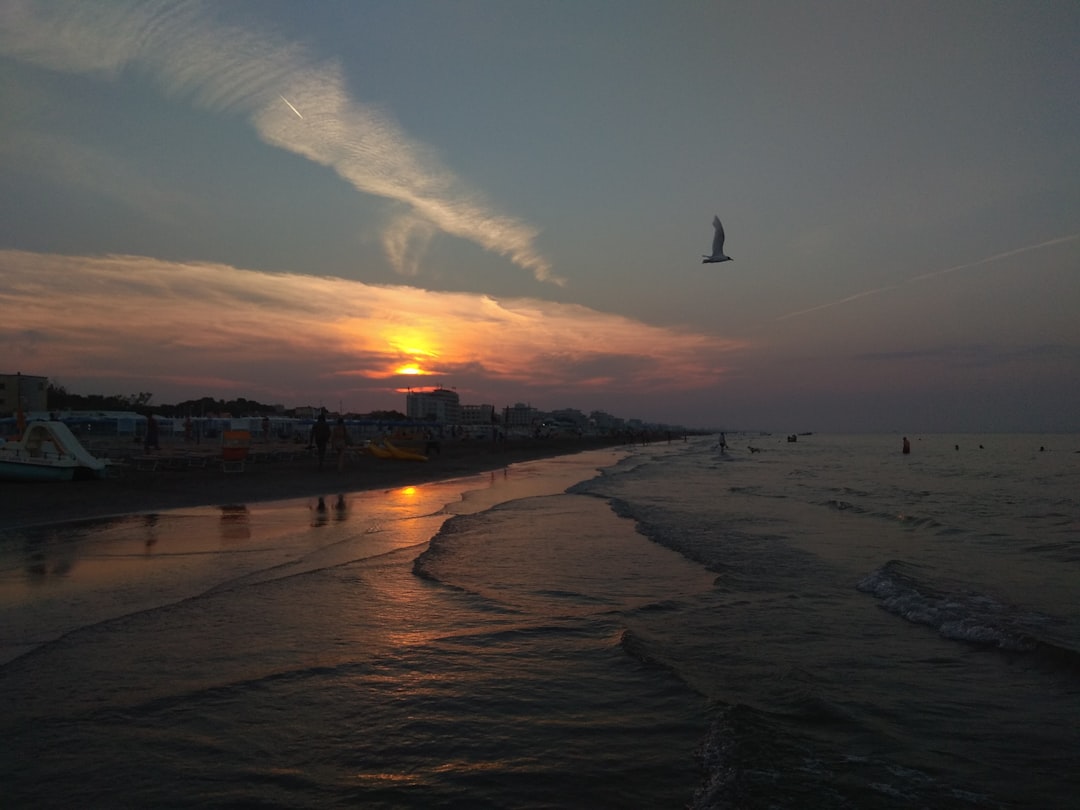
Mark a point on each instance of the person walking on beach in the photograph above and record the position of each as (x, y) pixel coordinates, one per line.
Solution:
(320, 435)
(907, 446)
(339, 440)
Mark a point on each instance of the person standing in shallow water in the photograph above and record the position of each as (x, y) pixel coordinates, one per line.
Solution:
(320, 435)
(907, 446)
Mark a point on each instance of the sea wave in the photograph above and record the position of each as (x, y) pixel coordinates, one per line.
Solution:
(756, 758)
(966, 615)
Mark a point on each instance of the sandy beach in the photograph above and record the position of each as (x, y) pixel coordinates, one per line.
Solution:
(129, 489)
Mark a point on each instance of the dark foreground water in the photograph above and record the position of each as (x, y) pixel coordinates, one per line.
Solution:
(819, 624)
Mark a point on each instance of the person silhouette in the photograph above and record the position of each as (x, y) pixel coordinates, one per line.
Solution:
(339, 440)
(320, 435)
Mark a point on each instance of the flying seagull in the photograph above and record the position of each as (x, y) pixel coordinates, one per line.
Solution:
(717, 244)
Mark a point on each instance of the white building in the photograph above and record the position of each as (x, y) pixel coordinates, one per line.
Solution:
(440, 405)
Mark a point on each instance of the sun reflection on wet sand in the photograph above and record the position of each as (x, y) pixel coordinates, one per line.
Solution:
(57, 579)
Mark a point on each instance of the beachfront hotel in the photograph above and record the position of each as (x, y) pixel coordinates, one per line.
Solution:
(439, 405)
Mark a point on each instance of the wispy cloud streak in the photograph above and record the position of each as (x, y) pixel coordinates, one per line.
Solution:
(223, 68)
(933, 274)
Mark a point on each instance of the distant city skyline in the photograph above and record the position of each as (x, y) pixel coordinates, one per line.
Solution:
(337, 201)
(36, 401)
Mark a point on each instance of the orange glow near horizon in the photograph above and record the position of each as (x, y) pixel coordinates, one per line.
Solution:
(116, 317)
(412, 347)
(410, 342)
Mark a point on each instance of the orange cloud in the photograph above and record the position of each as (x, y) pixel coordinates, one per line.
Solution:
(187, 324)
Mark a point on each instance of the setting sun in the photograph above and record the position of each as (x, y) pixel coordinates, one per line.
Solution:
(412, 348)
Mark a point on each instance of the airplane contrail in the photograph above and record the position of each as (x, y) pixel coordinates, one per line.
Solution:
(291, 107)
(843, 300)
(995, 257)
(933, 274)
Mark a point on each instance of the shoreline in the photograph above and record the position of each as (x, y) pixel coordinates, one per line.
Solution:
(133, 491)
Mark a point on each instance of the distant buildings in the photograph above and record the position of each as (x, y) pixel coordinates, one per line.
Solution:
(605, 422)
(520, 416)
(32, 391)
(477, 415)
(439, 406)
(443, 407)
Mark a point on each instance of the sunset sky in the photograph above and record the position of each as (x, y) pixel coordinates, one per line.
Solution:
(331, 202)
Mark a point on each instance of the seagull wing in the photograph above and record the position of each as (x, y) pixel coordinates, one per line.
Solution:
(718, 237)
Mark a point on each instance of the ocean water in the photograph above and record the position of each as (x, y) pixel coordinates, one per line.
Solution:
(821, 624)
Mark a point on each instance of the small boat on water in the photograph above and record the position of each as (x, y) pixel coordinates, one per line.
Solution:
(47, 451)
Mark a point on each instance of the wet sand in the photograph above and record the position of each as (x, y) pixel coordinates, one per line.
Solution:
(129, 489)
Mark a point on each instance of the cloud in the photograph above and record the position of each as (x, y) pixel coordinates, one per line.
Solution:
(405, 241)
(231, 70)
(134, 317)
